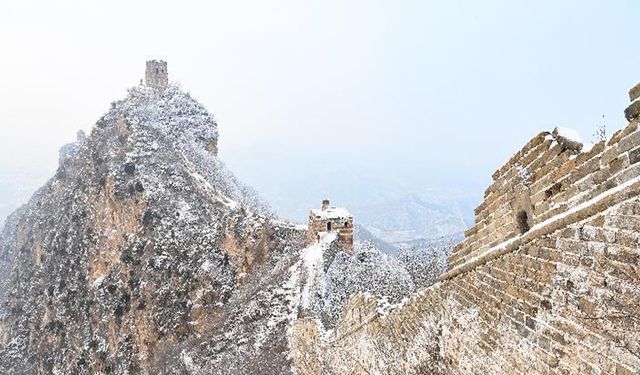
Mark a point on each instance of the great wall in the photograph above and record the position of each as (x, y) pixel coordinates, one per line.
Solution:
(546, 281)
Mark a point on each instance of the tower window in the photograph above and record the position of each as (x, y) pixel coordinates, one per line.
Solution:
(522, 221)
(328, 226)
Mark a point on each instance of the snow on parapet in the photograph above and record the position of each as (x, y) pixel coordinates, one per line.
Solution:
(569, 133)
(568, 138)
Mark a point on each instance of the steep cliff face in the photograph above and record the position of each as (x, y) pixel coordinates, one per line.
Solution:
(141, 248)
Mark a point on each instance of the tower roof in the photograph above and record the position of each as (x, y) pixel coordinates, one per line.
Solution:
(332, 213)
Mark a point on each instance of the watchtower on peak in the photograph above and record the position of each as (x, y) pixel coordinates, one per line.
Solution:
(156, 74)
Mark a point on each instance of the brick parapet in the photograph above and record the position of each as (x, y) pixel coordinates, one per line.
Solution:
(553, 181)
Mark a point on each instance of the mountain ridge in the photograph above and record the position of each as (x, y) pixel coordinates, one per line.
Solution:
(141, 237)
(145, 254)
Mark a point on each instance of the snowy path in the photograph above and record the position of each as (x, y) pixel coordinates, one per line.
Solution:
(311, 257)
(307, 278)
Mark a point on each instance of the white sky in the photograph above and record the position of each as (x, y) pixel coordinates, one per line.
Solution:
(398, 84)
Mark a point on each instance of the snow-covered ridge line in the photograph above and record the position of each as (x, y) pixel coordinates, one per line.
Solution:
(172, 121)
(205, 184)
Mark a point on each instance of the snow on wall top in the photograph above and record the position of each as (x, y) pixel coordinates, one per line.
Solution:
(569, 133)
(331, 213)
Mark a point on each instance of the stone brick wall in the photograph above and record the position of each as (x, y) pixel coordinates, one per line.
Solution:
(545, 179)
(553, 291)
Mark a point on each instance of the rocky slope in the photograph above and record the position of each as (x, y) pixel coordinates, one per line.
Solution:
(141, 247)
(145, 255)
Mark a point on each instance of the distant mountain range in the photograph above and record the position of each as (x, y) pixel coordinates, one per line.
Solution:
(411, 218)
(396, 203)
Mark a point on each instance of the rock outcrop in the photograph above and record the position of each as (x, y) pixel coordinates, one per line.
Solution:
(144, 251)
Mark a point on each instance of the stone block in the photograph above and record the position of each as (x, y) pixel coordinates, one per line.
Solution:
(634, 93)
(629, 142)
(633, 111)
(634, 155)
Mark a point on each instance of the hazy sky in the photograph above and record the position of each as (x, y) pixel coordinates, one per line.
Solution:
(446, 89)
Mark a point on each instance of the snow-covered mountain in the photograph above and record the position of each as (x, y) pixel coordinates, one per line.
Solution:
(143, 254)
(137, 246)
